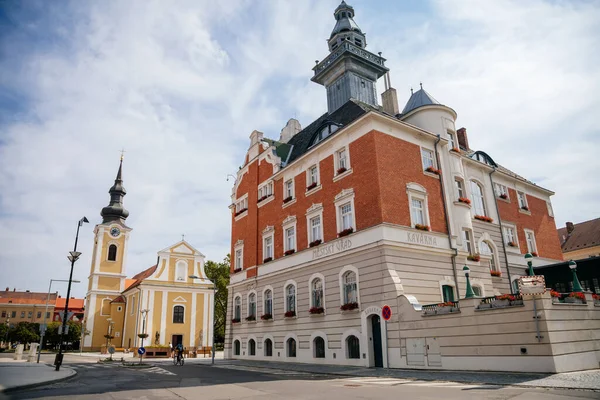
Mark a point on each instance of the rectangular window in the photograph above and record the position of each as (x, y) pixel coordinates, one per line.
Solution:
(268, 247)
(315, 229)
(313, 175)
(416, 209)
(509, 235)
(346, 216)
(241, 205)
(290, 238)
(13, 314)
(448, 293)
(460, 191)
(39, 314)
(132, 305)
(48, 315)
(427, 158)
(342, 160)
(289, 189)
(467, 245)
(451, 141)
(501, 191)
(238, 260)
(3, 314)
(522, 200)
(265, 191)
(22, 314)
(530, 239)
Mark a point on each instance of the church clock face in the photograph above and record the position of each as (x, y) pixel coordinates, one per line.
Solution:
(114, 232)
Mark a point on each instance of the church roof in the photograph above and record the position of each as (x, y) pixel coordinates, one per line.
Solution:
(418, 99)
(119, 299)
(141, 276)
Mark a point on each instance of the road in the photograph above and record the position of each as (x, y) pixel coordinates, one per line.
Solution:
(206, 382)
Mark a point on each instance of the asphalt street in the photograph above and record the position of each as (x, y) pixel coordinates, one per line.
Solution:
(203, 381)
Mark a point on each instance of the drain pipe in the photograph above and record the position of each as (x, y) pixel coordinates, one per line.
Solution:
(443, 191)
(501, 233)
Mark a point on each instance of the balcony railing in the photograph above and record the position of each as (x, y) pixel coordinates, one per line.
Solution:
(569, 298)
(502, 301)
(448, 307)
(348, 47)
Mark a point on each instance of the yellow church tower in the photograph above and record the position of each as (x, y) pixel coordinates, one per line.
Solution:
(107, 273)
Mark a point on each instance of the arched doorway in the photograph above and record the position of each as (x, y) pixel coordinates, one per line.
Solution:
(375, 340)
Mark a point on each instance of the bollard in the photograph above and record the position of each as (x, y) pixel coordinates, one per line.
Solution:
(19, 352)
(32, 357)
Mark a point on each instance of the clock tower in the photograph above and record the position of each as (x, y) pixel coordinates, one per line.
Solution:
(107, 274)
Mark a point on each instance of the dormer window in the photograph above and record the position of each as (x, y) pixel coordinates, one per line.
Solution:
(324, 133)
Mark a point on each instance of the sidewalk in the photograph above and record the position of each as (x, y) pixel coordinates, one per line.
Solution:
(16, 375)
(583, 380)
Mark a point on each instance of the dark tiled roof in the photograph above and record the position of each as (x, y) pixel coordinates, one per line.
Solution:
(119, 299)
(585, 234)
(343, 116)
(418, 99)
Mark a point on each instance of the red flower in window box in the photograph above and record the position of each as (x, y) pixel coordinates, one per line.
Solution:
(554, 293)
(266, 260)
(503, 196)
(287, 199)
(266, 317)
(596, 296)
(464, 200)
(341, 170)
(241, 211)
(455, 149)
(264, 197)
(447, 304)
(251, 318)
(496, 273)
(345, 232)
(288, 252)
(235, 320)
(314, 243)
(311, 186)
(577, 295)
(473, 257)
(237, 270)
(506, 297)
(422, 227)
(512, 244)
(349, 306)
(316, 310)
(524, 208)
(484, 218)
(433, 170)
(289, 314)
(533, 253)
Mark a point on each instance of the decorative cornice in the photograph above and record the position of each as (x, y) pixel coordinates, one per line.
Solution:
(290, 219)
(314, 207)
(269, 228)
(344, 193)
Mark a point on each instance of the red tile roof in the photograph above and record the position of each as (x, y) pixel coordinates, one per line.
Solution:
(141, 276)
(585, 234)
(73, 303)
(119, 299)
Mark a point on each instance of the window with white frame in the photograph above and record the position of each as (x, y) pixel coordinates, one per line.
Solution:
(460, 190)
(181, 271)
(268, 247)
(427, 158)
(315, 229)
(417, 201)
(530, 239)
(316, 288)
(467, 242)
(313, 176)
(268, 300)
(289, 189)
(290, 238)
(342, 163)
(239, 259)
(290, 298)
(451, 140)
(237, 308)
(346, 216)
(510, 236)
(265, 191)
(477, 198)
(252, 305)
(417, 211)
(350, 294)
(501, 191)
(522, 200)
(487, 249)
(241, 205)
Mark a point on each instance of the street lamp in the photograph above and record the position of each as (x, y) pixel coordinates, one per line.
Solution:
(576, 285)
(73, 256)
(529, 259)
(470, 294)
(144, 313)
(46, 314)
(110, 322)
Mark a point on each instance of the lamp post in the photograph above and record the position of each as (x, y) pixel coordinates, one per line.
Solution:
(109, 320)
(470, 294)
(144, 313)
(73, 256)
(7, 329)
(576, 285)
(46, 314)
(529, 259)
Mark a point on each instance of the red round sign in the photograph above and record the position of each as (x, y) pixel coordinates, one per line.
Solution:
(386, 312)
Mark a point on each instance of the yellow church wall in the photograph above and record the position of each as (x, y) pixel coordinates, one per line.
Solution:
(112, 266)
(130, 334)
(200, 298)
(156, 315)
(100, 320)
(117, 313)
(108, 283)
(177, 328)
(174, 260)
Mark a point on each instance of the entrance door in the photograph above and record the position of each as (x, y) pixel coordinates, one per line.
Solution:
(377, 349)
(176, 340)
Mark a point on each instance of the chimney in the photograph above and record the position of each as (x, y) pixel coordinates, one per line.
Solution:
(461, 135)
(14, 289)
(7, 289)
(291, 128)
(570, 227)
(389, 98)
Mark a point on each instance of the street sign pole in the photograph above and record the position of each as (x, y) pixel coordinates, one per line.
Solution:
(386, 314)
(533, 285)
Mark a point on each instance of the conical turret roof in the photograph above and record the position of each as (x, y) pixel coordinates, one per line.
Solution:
(418, 99)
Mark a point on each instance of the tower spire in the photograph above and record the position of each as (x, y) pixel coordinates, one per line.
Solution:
(115, 210)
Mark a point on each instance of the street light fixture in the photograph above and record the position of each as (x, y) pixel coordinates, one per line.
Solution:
(144, 313)
(73, 256)
(529, 259)
(470, 294)
(576, 285)
(43, 328)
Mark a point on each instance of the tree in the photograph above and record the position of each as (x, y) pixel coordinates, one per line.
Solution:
(219, 274)
(24, 332)
(52, 337)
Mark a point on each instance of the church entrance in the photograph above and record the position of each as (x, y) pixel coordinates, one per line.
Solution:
(176, 339)
(376, 342)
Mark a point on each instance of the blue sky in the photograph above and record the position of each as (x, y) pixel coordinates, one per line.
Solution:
(182, 87)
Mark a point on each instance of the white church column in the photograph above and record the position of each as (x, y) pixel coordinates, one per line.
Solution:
(205, 320)
(163, 319)
(193, 321)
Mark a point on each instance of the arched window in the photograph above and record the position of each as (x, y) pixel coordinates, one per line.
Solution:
(251, 347)
(515, 286)
(349, 286)
(237, 312)
(488, 250)
(353, 346)
(291, 347)
(268, 348)
(252, 305)
(178, 312)
(181, 271)
(236, 347)
(290, 298)
(317, 292)
(268, 306)
(112, 252)
(324, 133)
(319, 347)
(477, 198)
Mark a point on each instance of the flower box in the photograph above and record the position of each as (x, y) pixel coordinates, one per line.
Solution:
(573, 300)
(512, 244)
(500, 303)
(341, 170)
(266, 317)
(596, 298)
(349, 306)
(503, 196)
(266, 260)
(314, 243)
(422, 227)
(143, 335)
(433, 170)
(251, 318)
(236, 270)
(311, 186)
(455, 149)
(495, 273)
(235, 320)
(444, 310)
(288, 252)
(345, 232)
(287, 199)
(316, 310)
(290, 314)
(484, 218)
(524, 208)
(241, 211)
(264, 197)
(533, 253)
(464, 200)
(473, 257)
(554, 293)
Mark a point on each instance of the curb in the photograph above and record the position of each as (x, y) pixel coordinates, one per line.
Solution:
(38, 384)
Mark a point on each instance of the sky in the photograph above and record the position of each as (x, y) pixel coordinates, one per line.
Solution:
(181, 85)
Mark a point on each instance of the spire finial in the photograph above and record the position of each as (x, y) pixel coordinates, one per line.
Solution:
(411, 91)
(182, 237)
(122, 154)
(421, 83)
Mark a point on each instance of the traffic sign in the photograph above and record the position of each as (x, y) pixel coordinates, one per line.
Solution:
(386, 312)
(111, 349)
(141, 351)
(529, 285)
